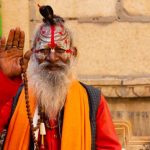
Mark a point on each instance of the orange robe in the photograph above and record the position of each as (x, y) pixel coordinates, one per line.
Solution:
(106, 138)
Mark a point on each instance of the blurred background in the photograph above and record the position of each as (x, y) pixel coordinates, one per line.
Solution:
(113, 40)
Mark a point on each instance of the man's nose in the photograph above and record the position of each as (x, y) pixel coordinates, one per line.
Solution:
(52, 57)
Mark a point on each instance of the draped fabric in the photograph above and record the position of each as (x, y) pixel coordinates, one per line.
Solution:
(76, 131)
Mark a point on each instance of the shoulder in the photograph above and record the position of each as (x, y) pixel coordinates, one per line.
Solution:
(94, 95)
(90, 89)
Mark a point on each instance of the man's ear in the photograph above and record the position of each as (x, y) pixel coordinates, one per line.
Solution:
(74, 51)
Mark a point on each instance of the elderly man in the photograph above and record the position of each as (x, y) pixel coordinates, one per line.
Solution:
(56, 111)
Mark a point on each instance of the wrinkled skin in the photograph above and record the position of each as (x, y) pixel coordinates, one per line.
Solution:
(11, 52)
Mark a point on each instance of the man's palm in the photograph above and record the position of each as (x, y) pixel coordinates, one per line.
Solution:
(10, 62)
(11, 52)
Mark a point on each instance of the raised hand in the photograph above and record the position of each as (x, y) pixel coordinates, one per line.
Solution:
(11, 52)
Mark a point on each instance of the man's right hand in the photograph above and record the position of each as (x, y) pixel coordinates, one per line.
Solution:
(11, 52)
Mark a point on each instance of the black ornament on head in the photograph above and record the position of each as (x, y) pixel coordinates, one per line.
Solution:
(47, 13)
(49, 16)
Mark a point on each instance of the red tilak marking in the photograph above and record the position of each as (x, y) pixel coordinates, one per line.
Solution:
(60, 33)
(43, 31)
(68, 51)
(52, 42)
(66, 41)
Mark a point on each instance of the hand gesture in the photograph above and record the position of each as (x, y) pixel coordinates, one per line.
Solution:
(11, 52)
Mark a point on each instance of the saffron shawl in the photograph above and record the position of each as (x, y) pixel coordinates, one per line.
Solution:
(76, 131)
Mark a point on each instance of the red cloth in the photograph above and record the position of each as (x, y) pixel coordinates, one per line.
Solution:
(106, 138)
(8, 89)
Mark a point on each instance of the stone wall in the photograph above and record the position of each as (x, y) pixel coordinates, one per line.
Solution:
(15, 13)
(113, 38)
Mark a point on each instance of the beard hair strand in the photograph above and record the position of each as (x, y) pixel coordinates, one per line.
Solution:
(50, 87)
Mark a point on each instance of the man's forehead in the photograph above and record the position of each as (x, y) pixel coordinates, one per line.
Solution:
(56, 48)
(45, 30)
(61, 37)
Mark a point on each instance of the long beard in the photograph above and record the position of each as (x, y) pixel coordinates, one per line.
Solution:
(50, 87)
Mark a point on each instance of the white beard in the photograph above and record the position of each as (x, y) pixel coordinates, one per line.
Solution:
(50, 87)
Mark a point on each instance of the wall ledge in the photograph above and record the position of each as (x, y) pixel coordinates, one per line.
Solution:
(120, 86)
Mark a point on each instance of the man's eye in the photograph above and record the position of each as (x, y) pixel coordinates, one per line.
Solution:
(59, 50)
(45, 51)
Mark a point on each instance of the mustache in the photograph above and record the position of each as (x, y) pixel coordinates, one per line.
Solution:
(58, 64)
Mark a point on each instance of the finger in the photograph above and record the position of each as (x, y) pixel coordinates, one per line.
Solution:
(2, 43)
(21, 40)
(16, 37)
(10, 39)
(26, 58)
(27, 55)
